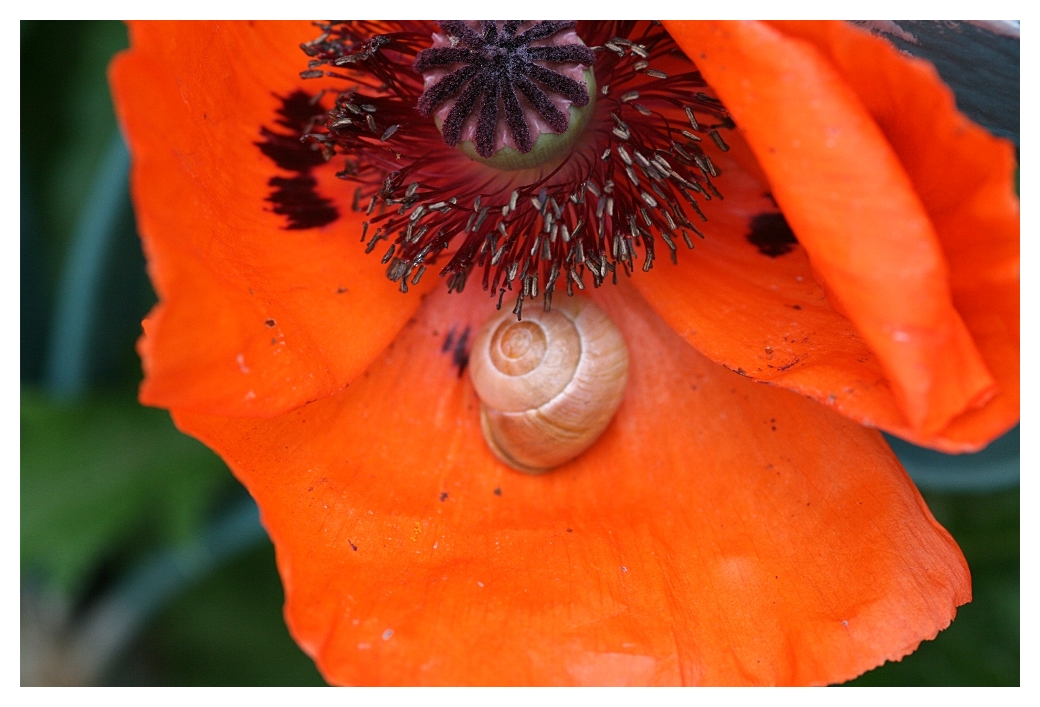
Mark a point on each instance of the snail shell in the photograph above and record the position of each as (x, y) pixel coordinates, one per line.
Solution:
(550, 384)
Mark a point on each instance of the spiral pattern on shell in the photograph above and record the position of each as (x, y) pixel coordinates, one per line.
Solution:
(550, 384)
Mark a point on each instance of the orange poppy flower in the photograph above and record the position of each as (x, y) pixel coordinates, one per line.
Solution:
(719, 532)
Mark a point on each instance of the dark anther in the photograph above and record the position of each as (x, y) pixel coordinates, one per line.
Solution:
(495, 64)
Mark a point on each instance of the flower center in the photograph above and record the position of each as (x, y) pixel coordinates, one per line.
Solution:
(510, 94)
(481, 191)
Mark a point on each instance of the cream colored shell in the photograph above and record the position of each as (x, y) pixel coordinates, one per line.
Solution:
(550, 384)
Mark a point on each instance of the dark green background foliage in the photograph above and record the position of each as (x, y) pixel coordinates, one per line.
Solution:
(108, 486)
(107, 476)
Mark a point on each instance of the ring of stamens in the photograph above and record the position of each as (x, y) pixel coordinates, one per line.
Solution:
(639, 172)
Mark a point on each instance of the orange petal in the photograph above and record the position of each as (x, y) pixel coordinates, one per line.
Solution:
(848, 191)
(964, 178)
(720, 532)
(253, 319)
(765, 315)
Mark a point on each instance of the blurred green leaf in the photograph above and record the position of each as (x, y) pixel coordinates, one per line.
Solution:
(67, 118)
(67, 125)
(981, 647)
(992, 470)
(229, 631)
(103, 476)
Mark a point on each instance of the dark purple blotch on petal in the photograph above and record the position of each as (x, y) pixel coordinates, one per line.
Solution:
(771, 235)
(296, 197)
